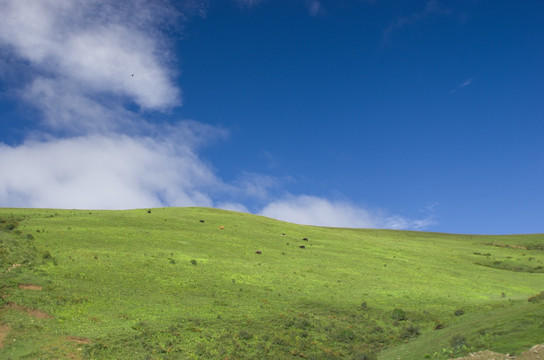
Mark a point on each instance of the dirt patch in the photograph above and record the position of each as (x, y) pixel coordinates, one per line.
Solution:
(4, 330)
(486, 355)
(78, 339)
(30, 287)
(535, 353)
(33, 312)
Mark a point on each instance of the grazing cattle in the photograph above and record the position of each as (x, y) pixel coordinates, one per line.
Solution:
(282, 234)
(149, 211)
(221, 227)
(305, 239)
(302, 247)
(258, 252)
(201, 221)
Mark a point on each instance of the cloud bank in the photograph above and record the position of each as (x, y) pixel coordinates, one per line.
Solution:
(311, 210)
(104, 172)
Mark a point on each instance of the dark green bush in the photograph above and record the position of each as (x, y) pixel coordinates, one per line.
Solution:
(459, 312)
(458, 341)
(409, 331)
(193, 261)
(398, 315)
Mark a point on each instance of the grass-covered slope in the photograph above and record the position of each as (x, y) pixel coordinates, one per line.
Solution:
(164, 285)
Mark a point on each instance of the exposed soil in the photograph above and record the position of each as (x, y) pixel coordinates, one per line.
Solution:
(485, 355)
(33, 312)
(4, 330)
(535, 353)
(30, 287)
(78, 339)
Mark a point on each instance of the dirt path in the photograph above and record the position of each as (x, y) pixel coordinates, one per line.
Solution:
(4, 330)
(30, 287)
(78, 339)
(33, 312)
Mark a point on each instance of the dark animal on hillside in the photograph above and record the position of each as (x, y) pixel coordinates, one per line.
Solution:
(201, 221)
(302, 247)
(282, 234)
(258, 252)
(305, 239)
(149, 211)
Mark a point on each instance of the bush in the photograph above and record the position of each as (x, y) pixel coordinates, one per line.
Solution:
(459, 312)
(458, 341)
(193, 261)
(8, 225)
(410, 331)
(398, 315)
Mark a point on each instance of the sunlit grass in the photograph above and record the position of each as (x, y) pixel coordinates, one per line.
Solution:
(165, 285)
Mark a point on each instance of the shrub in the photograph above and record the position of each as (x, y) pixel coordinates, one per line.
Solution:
(398, 315)
(458, 341)
(410, 331)
(193, 261)
(459, 312)
(9, 225)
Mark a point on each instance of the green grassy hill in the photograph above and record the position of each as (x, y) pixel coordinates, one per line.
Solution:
(164, 285)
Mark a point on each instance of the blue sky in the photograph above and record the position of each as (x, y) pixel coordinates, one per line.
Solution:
(419, 115)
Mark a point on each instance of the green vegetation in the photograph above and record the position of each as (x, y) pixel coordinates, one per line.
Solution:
(161, 284)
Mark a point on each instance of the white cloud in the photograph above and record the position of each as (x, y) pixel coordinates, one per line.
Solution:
(78, 41)
(66, 109)
(311, 210)
(105, 172)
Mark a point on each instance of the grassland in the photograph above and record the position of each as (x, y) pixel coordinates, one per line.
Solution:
(164, 285)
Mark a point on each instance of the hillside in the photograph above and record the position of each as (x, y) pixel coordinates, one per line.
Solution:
(188, 283)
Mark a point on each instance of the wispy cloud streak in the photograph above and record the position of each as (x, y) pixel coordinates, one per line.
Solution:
(432, 7)
(462, 85)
